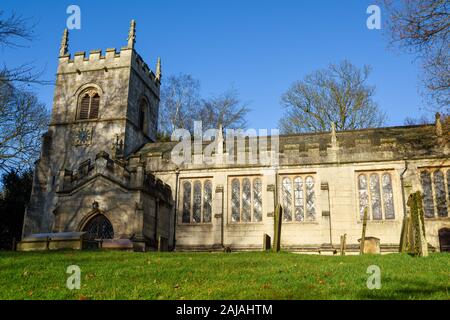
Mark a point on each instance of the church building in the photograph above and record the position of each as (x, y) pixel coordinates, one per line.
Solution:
(102, 171)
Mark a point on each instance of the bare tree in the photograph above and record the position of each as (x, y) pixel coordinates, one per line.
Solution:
(423, 27)
(15, 29)
(224, 110)
(180, 103)
(339, 94)
(23, 119)
(422, 120)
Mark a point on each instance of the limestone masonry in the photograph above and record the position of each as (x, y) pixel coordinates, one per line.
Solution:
(101, 171)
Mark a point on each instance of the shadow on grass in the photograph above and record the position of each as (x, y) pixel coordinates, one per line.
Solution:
(395, 289)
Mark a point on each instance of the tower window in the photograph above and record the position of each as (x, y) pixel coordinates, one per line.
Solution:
(89, 105)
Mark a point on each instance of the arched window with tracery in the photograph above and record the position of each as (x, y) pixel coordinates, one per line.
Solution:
(89, 104)
(98, 228)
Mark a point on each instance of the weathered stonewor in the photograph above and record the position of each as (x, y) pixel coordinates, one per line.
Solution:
(100, 165)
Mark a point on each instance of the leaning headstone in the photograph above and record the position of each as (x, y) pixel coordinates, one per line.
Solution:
(363, 237)
(403, 247)
(277, 225)
(418, 241)
(343, 244)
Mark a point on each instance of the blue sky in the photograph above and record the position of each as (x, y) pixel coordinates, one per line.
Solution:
(258, 47)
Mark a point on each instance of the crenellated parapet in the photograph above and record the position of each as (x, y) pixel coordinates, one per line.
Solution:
(117, 172)
(365, 145)
(95, 60)
(103, 165)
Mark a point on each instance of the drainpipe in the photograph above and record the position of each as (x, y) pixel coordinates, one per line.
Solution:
(175, 216)
(156, 222)
(222, 223)
(329, 217)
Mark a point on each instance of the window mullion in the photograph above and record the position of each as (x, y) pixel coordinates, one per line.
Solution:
(241, 202)
(433, 193)
(369, 203)
(90, 107)
(251, 200)
(292, 199)
(380, 185)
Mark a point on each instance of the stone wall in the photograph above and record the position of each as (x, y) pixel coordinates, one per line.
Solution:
(400, 151)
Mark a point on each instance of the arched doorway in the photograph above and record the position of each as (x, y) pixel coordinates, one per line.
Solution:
(98, 228)
(444, 239)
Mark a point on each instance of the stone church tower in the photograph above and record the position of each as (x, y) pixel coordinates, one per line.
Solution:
(102, 103)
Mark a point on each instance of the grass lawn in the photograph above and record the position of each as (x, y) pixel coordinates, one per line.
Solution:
(256, 275)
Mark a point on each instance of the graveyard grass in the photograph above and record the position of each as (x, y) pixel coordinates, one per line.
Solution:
(253, 275)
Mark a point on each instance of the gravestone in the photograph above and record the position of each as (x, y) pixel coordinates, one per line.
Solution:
(266, 242)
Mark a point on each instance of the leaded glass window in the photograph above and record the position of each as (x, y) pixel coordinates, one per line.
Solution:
(207, 201)
(186, 202)
(235, 200)
(287, 199)
(376, 194)
(363, 195)
(196, 201)
(197, 207)
(299, 210)
(310, 199)
(427, 189)
(298, 198)
(257, 200)
(246, 199)
(441, 195)
(436, 192)
(388, 196)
